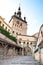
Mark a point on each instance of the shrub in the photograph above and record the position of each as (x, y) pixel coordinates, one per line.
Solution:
(7, 34)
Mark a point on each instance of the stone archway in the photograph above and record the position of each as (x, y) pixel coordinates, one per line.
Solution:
(28, 51)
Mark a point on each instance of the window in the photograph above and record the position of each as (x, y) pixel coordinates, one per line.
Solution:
(31, 43)
(17, 22)
(3, 25)
(17, 33)
(6, 28)
(24, 42)
(19, 41)
(21, 24)
(13, 31)
(27, 43)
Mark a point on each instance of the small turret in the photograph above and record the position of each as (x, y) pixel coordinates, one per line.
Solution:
(14, 13)
(24, 18)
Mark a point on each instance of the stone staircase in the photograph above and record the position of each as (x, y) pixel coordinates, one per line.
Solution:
(19, 60)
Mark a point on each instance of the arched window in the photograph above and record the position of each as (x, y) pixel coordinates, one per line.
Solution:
(20, 40)
(24, 42)
(27, 42)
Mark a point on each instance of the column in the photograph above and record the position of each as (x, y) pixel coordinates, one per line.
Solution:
(14, 53)
(22, 51)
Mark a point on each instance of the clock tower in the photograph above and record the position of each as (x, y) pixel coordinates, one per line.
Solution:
(18, 25)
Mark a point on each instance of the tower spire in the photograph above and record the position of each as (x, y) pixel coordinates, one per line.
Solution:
(19, 11)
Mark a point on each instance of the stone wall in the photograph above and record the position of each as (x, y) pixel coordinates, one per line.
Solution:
(10, 51)
(14, 51)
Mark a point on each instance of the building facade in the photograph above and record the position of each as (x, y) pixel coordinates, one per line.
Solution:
(19, 29)
(26, 45)
(5, 25)
(39, 46)
(18, 25)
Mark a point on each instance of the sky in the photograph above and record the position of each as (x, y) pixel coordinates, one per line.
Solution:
(31, 9)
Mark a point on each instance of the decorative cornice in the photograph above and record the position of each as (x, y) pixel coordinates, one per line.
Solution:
(19, 18)
(27, 35)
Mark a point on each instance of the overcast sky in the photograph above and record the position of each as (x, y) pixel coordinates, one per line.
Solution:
(31, 9)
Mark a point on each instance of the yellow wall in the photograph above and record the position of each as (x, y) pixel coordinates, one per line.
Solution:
(5, 24)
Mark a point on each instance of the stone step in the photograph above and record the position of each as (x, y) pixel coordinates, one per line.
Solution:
(19, 60)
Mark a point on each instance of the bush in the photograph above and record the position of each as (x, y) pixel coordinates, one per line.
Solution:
(7, 34)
